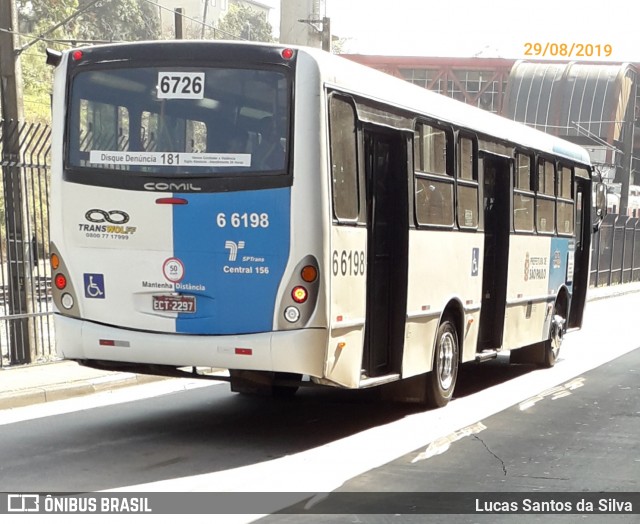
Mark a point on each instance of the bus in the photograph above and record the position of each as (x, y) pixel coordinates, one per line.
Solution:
(298, 219)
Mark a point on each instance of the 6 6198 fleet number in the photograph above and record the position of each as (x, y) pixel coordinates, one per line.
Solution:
(348, 263)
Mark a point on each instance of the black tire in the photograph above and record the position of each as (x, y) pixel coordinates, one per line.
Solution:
(441, 381)
(556, 335)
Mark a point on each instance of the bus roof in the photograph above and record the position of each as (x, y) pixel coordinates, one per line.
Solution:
(378, 86)
(362, 80)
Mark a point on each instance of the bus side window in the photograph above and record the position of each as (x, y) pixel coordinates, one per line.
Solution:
(344, 165)
(433, 184)
(523, 196)
(545, 197)
(565, 201)
(467, 188)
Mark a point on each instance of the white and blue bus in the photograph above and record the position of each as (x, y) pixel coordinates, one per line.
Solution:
(296, 218)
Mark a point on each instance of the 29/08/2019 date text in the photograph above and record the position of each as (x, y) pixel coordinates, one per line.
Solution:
(573, 50)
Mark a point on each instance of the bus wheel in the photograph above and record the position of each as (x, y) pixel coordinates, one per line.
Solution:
(442, 379)
(556, 334)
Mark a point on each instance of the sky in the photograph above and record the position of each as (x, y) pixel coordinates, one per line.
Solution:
(499, 28)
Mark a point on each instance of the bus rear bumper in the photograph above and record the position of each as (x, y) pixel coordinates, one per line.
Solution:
(297, 351)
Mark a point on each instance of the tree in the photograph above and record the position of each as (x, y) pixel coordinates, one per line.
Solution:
(119, 20)
(37, 17)
(243, 22)
(106, 20)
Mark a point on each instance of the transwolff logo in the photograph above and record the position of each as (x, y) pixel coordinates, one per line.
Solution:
(171, 186)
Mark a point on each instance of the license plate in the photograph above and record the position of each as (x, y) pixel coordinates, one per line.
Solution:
(174, 303)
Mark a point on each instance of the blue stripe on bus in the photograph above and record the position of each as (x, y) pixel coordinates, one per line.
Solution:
(234, 248)
(561, 248)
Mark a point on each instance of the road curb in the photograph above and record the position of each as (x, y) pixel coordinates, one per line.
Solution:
(63, 391)
(608, 294)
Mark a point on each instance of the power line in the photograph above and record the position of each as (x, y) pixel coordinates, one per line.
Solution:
(78, 12)
(75, 14)
(70, 41)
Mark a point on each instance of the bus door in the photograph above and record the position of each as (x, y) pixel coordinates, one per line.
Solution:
(386, 180)
(496, 172)
(582, 251)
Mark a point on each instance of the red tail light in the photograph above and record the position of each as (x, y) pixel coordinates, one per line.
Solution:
(60, 281)
(299, 294)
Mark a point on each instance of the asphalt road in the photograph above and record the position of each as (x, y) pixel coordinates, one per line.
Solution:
(579, 437)
(509, 429)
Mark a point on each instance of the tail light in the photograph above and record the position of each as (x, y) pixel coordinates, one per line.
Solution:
(299, 294)
(60, 281)
(300, 302)
(62, 291)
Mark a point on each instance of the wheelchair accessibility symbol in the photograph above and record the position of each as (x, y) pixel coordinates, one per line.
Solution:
(94, 285)
(475, 256)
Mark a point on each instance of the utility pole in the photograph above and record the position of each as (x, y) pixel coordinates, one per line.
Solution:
(204, 18)
(10, 72)
(18, 267)
(300, 22)
(326, 34)
(179, 23)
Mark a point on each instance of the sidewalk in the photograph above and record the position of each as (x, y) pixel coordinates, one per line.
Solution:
(32, 384)
(26, 385)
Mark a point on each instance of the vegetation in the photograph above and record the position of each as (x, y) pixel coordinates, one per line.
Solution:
(243, 22)
(94, 21)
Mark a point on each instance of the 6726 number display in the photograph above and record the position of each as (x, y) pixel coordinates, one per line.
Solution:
(180, 85)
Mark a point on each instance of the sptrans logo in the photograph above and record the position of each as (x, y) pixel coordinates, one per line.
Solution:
(233, 248)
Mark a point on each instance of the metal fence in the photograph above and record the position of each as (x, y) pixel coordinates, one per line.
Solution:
(615, 253)
(26, 324)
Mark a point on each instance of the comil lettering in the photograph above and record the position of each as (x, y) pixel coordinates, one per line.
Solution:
(171, 186)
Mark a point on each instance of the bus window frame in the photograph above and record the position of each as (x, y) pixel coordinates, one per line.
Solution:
(210, 182)
(541, 196)
(563, 200)
(531, 193)
(361, 212)
(463, 182)
(447, 178)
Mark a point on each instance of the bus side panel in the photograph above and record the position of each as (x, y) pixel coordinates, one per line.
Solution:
(443, 266)
(528, 291)
(348, 305)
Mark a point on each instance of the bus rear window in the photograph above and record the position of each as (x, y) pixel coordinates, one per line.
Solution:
(179, 121)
